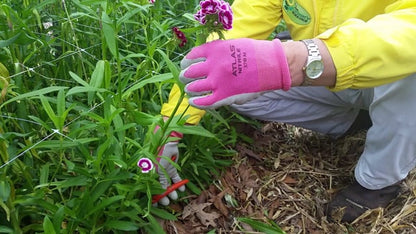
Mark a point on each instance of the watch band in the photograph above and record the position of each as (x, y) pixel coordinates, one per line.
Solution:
(313, 55)
(313, 49)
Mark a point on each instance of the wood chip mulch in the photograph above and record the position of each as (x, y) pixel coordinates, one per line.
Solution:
(287, 175)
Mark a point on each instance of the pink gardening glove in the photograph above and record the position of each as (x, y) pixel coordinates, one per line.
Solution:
(225, 72)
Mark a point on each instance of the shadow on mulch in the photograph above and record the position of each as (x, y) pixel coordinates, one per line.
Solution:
(287, 175)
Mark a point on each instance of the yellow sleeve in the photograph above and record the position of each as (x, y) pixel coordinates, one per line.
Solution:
(195, 114)
(251, 18)
(254, 18)
(376, 52)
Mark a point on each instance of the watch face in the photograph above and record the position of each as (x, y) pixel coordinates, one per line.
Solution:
(314, 69)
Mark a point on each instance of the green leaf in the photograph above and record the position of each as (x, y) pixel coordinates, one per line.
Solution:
(98, 75)
(105, 203)
(162, 213)
(44, 174)
(122, 225)
(4, 73)
(78, 79)
(117, 161)
(70, 182)
(191, 186)
(262, 227)
(48, 226)
(118, 122)
(189, 16)
(47, 107)
(56, 144)
(4, 190)
(109, 34)
(174, 69)
(193, 130)
(128, 15)
(4, 229)
(35, 93)
(218, 116)
(58, 217)
(154, 225)
(144, 119)
(107, 75)
(79, 89)
(60, 104)
(5, 43)
(97, 78)
(153, 79)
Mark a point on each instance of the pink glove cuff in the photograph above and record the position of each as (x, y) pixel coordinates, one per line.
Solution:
(267, 68)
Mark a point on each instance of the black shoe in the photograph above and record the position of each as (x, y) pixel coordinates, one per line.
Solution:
(361, 122)
(354, 200)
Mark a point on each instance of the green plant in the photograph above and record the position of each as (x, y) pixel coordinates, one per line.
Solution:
(269, 228)
(83, 91)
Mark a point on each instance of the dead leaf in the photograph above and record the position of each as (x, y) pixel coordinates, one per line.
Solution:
(219, 204)
(290, 180)
(206, 218)
(247, 152)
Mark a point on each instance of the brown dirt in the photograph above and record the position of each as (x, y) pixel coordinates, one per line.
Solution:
(287, 175)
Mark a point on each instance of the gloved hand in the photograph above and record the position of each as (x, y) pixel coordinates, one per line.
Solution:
(224, 72)
(169, 150)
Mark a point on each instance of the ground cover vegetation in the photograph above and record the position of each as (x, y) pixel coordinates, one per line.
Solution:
(82, 86)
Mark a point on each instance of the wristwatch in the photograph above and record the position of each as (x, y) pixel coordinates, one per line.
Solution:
(314, 66)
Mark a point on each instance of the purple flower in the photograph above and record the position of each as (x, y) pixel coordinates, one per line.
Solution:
(180, 35)
(210, 6)
(226, 19)
(145, 164)
(225, 15)
(200, 17)
(219, 9)
(225, 6)
(183, 42)
(152, 1)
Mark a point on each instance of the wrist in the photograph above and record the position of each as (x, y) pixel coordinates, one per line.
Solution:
(297, 54)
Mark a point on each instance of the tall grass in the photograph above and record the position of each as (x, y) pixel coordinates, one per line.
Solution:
(83, 83)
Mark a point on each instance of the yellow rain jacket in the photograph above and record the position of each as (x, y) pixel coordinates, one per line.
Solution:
(372, 42)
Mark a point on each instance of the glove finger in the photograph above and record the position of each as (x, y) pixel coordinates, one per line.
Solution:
(185, 62)
(198, 88)
(173, 195)
(182, 188)
(172, 172)
(214, 101)
(176, 177)
(199, 52)
(164, 201)
(203, 102)
(195, 71)
(163, 180)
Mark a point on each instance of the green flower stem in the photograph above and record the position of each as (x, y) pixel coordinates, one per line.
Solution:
(164, 140)
(201, 38)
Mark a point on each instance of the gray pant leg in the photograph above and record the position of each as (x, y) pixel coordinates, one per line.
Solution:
(390, 150)
(314, 108)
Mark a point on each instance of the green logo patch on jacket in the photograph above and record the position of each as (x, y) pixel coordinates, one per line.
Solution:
(296, 12)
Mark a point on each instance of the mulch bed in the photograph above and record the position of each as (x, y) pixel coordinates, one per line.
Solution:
(287, 175)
